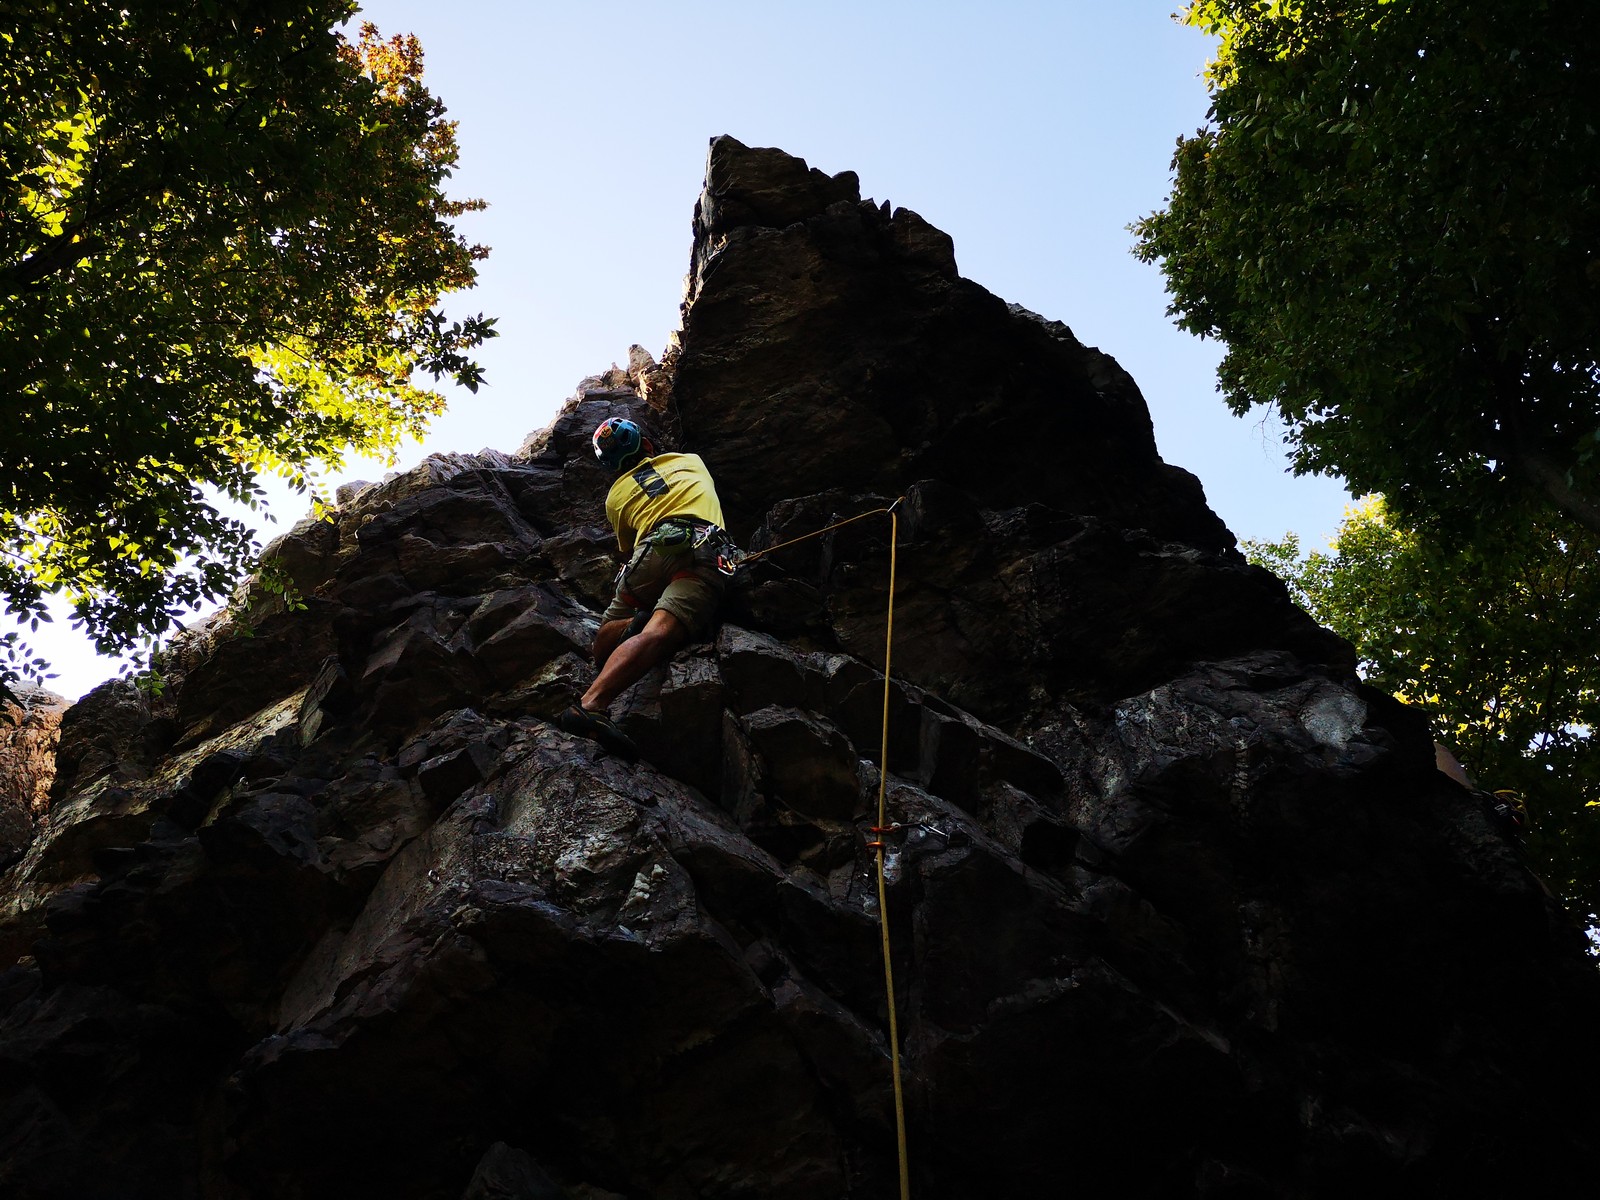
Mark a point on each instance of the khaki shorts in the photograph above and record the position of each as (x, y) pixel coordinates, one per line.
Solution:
(670, 580)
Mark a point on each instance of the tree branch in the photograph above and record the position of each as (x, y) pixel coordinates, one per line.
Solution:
(1550, 478)
(1520, 451)
(61, 252)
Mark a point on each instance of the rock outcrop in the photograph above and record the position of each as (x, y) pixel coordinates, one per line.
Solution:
(30, 722)
(1179, 907)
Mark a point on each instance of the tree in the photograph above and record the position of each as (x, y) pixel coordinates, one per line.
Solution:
(1498, 641)
(222, 245)
(1392, 219)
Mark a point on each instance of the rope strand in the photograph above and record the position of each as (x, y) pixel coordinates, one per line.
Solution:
(806, 537)
(883, 897)
(883, 826)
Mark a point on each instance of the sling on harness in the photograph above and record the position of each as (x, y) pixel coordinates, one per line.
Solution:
(710, 544)
(1510, 809)
(677, 547)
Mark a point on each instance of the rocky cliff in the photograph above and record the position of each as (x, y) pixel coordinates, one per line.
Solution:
(30, 723)
(1179, 907)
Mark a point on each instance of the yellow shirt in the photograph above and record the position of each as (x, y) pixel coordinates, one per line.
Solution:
(668, 485)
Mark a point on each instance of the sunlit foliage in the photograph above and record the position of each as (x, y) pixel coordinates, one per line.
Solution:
(223, 240)
(1498, 641)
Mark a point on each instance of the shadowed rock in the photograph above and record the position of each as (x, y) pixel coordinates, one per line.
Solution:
(1179, 906)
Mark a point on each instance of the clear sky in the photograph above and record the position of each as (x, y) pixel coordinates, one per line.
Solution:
(1031, 131)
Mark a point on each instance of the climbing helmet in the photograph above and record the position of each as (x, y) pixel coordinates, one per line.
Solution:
(617, 442)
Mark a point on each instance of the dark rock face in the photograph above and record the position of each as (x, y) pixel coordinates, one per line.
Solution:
(1179, 907)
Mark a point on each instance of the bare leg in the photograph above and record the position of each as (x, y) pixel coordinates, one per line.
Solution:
(606, 640)
(627, 663)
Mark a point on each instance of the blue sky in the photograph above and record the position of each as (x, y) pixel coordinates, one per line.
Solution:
(1031, 132)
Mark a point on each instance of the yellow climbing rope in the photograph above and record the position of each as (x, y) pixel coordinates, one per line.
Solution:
(883, 898)
(806, 537)
(883, 826)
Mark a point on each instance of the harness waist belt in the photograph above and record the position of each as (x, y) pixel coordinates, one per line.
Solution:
(698, 523)
(685, 532)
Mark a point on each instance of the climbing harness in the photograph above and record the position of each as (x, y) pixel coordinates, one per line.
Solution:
(884, 826)
(708, 543)
(1510, 809)
(685, 546)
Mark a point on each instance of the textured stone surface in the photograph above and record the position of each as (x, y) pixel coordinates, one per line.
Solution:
(30, 728)
(1180, 907)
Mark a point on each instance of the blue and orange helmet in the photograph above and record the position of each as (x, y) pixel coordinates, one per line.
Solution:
(619, 443)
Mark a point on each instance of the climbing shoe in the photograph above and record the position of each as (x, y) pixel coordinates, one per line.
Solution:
(598, 727)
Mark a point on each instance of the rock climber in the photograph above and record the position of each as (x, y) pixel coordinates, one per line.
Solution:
(668, 522)
(1509, 807)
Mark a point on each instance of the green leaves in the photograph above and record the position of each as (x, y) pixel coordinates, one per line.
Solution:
(1498, 640)
(1392, 229)
(223, 243)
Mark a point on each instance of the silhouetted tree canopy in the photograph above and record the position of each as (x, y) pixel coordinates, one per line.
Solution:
(1392, 219)
(1498, 640)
